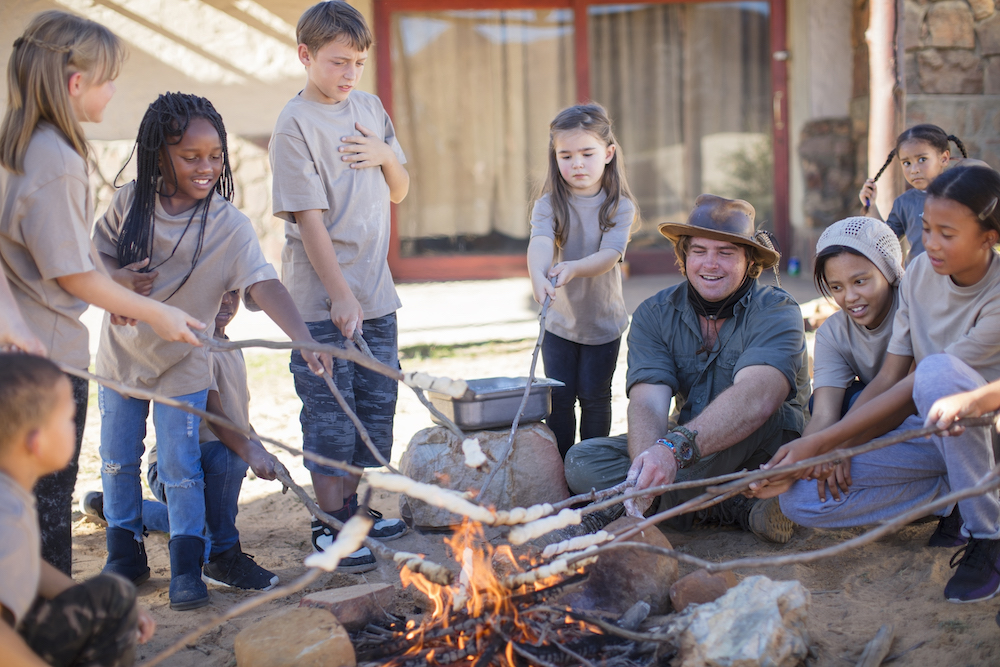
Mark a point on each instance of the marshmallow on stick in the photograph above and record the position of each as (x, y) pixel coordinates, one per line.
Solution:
(529, 531)
(442, 385)
(350, 539)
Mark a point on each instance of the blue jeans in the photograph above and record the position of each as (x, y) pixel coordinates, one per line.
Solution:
(586, 370)
(123, 429)
(224, 473)
(890, 481)
(326, 429)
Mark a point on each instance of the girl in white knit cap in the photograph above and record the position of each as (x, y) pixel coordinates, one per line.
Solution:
(859, 264)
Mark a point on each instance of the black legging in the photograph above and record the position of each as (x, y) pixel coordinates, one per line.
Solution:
(55, 495)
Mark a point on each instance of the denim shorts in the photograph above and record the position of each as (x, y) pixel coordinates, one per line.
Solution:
(326, 429)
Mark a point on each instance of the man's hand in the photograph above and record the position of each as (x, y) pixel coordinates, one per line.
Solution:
(347, 315)
(366, 150)
(146, 626)
(130, 277)
(653, 467)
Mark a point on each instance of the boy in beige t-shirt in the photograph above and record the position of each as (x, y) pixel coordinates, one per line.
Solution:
(337, 165)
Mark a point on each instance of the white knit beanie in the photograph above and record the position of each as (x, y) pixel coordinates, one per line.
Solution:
(872, 238)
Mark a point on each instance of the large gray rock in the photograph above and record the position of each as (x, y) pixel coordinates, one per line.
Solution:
(533, 474)
(623, 577)
(759, 623)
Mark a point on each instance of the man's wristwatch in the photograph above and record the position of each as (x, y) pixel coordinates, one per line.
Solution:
(681, 443)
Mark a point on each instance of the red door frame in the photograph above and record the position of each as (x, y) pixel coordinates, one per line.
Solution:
(468, 267)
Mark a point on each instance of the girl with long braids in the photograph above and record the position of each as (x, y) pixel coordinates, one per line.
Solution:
(923, 152)
(174, 233)
(61, 74)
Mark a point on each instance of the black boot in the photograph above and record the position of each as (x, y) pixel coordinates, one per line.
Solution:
(126, 556)
(187, 590)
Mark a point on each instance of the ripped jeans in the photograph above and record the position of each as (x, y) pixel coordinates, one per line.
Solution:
(123, 429)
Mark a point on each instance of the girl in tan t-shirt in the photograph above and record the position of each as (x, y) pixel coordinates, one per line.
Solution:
(61, 74)
(174, 234)
(579, 229)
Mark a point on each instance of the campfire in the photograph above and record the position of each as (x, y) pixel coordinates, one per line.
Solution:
(487, 619)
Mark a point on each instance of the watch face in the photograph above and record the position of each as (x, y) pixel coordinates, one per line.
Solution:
(686, 452)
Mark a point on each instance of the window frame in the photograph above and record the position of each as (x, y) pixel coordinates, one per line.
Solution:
(484, 267)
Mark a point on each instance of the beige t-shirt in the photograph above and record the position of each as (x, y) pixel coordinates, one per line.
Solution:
(936, 315)
(845, 349)
(229, 378)
(20, 548)
(231, 259)
(309, 174)
(589, 311)
(45, 219)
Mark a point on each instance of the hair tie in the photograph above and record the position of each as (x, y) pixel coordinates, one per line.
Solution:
(988, 211)
(57, 48)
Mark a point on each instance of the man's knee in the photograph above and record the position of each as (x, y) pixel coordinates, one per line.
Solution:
(596, 463)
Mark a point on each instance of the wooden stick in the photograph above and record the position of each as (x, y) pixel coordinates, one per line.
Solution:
(878, 648)
(234, 611)
(524, 399)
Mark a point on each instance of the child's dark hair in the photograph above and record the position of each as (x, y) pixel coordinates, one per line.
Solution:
(329, 21)
(164, 125)
(931, 134)
(27, 392)
(819, 268)
(976, 188)
(592, 118)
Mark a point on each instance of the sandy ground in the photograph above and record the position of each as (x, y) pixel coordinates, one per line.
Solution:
(897, 580)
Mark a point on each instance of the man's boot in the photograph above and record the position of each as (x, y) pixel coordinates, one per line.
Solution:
(763, 518)
(126, 556)
(187, 590)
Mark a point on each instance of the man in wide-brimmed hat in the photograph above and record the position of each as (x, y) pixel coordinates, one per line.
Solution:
(732, 355)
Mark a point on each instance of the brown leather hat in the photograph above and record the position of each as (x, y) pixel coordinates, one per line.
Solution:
(723, 220)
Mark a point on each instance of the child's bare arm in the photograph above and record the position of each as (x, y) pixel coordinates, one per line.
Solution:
(596, 264)
(14, 331)
(867, 196)
(275, 300)
(346, 312)
(52, 582)
(260, 460)
(14, 652)
(96, 288)
(540, 250)
(129, 276)
(367, 150)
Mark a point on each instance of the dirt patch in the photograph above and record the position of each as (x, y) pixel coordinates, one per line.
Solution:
(895, 580)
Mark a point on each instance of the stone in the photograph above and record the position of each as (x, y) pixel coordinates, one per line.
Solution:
(913, 21)
(354, 606)
(989, 35)
(296, 637)
(533, 473)
(982, 8)
(950, 71)
(700, 587)
(991, 77)
(759, 622)
(623, 577)
(949, 25)
(826, 149)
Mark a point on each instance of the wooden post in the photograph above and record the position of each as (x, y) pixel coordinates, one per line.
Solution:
(885, 98)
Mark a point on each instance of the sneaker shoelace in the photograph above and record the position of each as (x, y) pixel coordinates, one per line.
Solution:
(975, 554)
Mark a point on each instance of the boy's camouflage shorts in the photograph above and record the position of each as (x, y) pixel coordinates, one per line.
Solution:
(326, 429)
(93, 623)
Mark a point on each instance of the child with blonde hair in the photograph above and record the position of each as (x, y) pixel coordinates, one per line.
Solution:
(61, 74)
(579, 229)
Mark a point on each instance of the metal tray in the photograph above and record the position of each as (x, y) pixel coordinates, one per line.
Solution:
(493, 402)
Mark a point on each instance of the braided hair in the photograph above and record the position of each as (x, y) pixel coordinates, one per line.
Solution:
(931, 134)
(164, 125)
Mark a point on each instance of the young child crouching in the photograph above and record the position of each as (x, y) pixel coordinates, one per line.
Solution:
(47, 618)
(225, 457)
